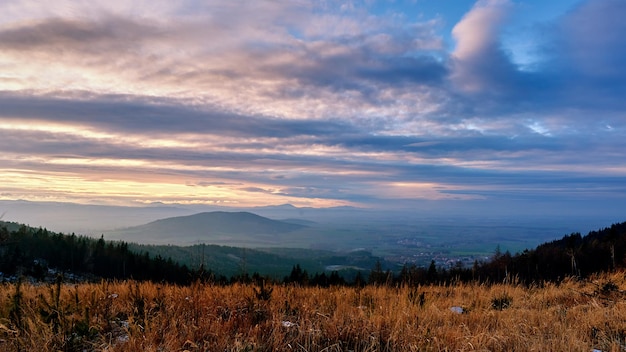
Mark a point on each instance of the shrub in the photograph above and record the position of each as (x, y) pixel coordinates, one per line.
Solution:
(501, 302)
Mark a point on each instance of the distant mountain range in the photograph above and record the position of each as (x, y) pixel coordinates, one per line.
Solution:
(93, 220)
(413, 236)
(219, 227)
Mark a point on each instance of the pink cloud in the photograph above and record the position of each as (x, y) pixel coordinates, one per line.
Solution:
(478, 54)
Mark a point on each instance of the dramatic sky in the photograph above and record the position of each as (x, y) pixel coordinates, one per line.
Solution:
(368, 103)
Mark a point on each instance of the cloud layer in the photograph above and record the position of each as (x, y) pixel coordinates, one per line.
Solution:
(309, 103)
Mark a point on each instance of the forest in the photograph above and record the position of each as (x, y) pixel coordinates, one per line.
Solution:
(38, 252)
(33, 252)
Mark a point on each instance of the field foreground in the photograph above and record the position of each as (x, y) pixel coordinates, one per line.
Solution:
(130, 316)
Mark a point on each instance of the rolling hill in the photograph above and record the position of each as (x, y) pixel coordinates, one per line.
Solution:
(225, 228)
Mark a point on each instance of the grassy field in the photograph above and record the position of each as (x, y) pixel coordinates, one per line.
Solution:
(130, 316)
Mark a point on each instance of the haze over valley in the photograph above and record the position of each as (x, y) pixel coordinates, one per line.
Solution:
(395, 237)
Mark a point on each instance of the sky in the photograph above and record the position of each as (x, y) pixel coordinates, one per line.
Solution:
(499, 104)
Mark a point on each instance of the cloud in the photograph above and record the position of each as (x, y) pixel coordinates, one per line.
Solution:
(303, 159)
(581, 49)
(588, 54)
(306, 101)
(160, 116)
(86, 37)
(479, 61)
(282, 60)
(592, 35)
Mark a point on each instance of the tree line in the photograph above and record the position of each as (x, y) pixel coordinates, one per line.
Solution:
(33, 252)
(573, 255)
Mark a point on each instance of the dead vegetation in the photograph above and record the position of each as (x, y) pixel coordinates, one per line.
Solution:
(131, 316)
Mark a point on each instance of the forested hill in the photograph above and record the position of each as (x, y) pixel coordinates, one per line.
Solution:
(28, 251)
(31, 252)
(572, 255)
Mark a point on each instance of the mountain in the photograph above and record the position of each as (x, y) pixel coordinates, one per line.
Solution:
(93, 220)
(219, 227)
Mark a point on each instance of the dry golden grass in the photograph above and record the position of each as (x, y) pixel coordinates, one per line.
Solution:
(130, 316)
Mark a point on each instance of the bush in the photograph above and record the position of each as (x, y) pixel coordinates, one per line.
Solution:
(501, 302)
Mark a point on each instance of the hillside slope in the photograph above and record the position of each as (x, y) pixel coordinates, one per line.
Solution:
(572, 255)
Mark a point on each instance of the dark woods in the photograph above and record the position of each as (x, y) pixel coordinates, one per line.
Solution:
(571, 256)
(39, 253)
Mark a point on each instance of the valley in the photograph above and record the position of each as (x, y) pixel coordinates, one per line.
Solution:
(447, 241)
(271, 240)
